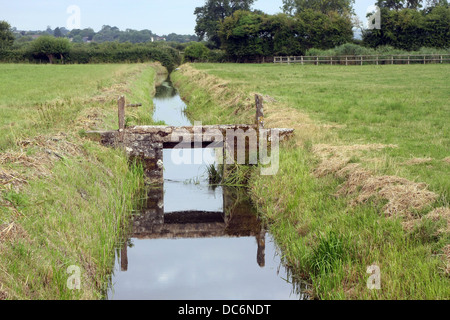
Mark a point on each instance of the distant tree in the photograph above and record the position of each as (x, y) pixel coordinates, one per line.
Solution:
(107, 33)
(196, 52)
(405, 26)
(399, 4)
(79, 34)
(250, 36)
(324, 6)
(437, 3)
(284, 32)
(51, 47)
(437, 27)
(57, 33)
(181, 38)
(324, 31)
(77, 39)
(212, 14)
(6, 35)
(243, 38)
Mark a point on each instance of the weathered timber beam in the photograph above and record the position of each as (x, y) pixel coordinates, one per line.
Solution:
(165, 135)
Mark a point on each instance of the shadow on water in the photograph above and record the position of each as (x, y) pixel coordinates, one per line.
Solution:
(191, 241)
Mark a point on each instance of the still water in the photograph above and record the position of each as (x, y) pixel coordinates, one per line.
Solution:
(191, 241)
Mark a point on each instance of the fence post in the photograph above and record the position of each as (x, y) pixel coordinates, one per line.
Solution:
(317, 60)
(409, 59)
(346, 60)
(331, 60)
(121, 111)
(377, 60)
(361, 60)
(424, 60)
(392, 59)
(302, 60)
(441, 58)
(259, 111)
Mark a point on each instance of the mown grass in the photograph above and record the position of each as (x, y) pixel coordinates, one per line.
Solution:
(408, 106)
(63, 199)
(326, 238)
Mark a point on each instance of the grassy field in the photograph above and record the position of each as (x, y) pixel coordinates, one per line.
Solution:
(365, 180)
(64, 199)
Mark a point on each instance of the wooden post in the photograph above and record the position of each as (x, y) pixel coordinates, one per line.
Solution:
(409, 59)
(317, 60)
(377, 60)
(331, 60)
(392, 59)
(302, 60)
(346, 60)
(441, 58)
(121, 107)
(361, 60)
(259, 111)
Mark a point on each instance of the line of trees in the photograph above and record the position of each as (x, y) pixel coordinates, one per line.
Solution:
(60, 50)
(105, 34)
(251, 35)
(230, 30)
(411, 24)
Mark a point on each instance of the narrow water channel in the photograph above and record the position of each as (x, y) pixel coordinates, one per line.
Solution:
(191, 241)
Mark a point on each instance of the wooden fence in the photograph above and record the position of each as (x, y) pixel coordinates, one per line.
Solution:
(366, 59)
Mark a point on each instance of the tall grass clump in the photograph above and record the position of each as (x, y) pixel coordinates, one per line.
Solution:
(331, 250)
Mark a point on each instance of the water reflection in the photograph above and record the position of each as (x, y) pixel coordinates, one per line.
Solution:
(238, 219)
(200, 255)
(169, 107)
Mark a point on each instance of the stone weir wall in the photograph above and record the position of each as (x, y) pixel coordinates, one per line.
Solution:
(146, 143)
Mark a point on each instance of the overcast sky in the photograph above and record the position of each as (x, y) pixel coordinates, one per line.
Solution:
(162, 17)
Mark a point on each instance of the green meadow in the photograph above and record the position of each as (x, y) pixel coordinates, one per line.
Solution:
(408, 106)
(64, 200)
(363, 182)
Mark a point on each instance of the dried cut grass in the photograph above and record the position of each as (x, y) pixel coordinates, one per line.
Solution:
(403, 197)
(446, 160)
(438, 214)
(11, 232)
(324, 150)
(54, 146)
(355, 176)
(46, 150)
(10, 179)
(89, 119)
(3, 294)
(335, 159)
(416, 161)
(447, 259)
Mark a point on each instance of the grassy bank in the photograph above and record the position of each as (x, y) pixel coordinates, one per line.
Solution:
(364, 181)
(64, 199)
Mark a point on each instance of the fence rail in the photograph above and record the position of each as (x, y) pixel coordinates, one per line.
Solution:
(366, 59)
